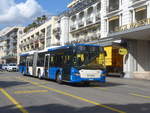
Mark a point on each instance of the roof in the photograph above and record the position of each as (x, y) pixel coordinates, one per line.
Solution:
(72, 45)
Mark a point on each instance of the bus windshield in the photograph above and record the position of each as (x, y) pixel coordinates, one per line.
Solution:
(89, 57)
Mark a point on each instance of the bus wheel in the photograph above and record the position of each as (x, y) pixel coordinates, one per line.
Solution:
(87, 83)
(59, 78)
(39, 74)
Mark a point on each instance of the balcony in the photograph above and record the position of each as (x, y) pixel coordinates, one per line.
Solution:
(13, 55)
(89, 20)
(56, 31)
(41, 48)
(41, 36)
(73, 27)
(81, 6)
(6, 50)
(80, 24)
(98, 18)
(56, 44)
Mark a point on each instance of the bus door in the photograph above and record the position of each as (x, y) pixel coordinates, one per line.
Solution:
(27, 65)
(34, 64)
(46, 65)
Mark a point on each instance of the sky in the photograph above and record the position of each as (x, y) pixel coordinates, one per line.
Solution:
(23, 12)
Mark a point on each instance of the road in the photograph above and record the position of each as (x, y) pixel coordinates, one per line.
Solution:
(24, 94)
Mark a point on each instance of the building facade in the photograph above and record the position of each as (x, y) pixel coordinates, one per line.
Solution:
(128, 21)
(41, 37)
(8, 44)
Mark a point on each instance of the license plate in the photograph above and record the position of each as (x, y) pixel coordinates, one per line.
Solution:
(90, 76)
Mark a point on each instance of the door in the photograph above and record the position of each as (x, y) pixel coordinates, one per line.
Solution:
(27, 66)
(46, 65)
(34, 64)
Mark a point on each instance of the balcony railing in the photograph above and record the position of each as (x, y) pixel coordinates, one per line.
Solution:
(89, 20)
(98, 17)
(73, 27)
(41, 37)
(56, 31)
(41, 48)
(81, 24)
(9, 56)
(140, 23)
(113, 8)
(79, 7)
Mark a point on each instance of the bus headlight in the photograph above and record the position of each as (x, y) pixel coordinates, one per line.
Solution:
(77, 74)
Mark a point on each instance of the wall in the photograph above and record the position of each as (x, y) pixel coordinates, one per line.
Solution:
(137, 62)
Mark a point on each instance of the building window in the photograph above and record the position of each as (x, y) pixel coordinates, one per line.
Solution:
(113, 24)
(140, 14)
(48, 40)
(98, 7)
(81, 22)
(89, 19)
(113, 5)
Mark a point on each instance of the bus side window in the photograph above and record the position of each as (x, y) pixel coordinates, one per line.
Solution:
(51, 62)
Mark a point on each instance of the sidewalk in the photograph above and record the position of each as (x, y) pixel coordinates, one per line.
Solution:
(131, 81)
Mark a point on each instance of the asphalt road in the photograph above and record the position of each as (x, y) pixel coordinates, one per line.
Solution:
(24, 94)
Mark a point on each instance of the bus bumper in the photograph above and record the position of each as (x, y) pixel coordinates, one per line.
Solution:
(76, 79)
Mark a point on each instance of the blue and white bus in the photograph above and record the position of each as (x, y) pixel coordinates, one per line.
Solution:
(71, 63)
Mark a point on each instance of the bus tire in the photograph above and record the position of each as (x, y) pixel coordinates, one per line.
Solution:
(59, 78)
(87, 83)
(39, 74)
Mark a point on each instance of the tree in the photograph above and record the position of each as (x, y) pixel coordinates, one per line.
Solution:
(38, 20)
(44, 18)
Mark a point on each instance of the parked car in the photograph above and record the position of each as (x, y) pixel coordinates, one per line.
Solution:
(4, 66)
(1, 67)
(12, 67)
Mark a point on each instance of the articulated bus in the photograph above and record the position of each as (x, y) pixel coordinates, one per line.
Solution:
(71, 63)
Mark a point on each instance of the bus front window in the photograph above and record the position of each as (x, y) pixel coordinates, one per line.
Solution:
(89, 58)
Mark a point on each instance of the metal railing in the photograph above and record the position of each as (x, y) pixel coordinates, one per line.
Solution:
(79, 7)
(89, 20)
(73, 27)
(80, 24)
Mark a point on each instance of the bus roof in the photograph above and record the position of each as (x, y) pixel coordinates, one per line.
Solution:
(27, 53)
(72, 45)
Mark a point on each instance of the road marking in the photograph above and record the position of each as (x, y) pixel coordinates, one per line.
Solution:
(25, 87)
(19, 106)
(74, 96)
(139, 95)
(30, 91)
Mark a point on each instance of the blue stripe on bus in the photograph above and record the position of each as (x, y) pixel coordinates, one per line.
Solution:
(53, 72)
(24, 54)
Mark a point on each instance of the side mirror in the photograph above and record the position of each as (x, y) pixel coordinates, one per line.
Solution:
(74, 59)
